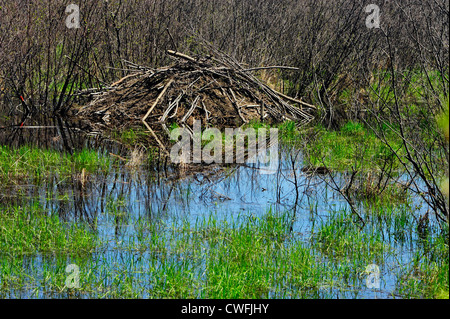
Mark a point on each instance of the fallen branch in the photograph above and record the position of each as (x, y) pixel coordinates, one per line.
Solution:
(271, 67)
(156, 138)
(157, 100)
(296, 101)
(171, 106)
(193, 106)
(181, 55)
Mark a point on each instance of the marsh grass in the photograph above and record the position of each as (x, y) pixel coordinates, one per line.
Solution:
(27, 230)
(244, 256)
(31, 241)
(18, 165)
(351, 146)
(341, 237)
(214, 256)
(427, 276)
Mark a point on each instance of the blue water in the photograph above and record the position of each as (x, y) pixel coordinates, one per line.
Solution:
(230, 193)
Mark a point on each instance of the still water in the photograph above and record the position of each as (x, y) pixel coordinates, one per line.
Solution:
(113, 202)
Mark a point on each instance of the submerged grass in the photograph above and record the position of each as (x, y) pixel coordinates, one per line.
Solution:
(341, 237)
(30, 230)
(242, 258)
(30, 243)
(245, 257)
(427, 276)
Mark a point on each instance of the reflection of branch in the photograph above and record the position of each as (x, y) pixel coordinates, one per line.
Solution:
(156, 138)
(349, 184)
(295, 182)
(345, 192)
(168, 197)
(220, 180)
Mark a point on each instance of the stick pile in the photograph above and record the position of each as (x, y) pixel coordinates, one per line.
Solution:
(217, 91)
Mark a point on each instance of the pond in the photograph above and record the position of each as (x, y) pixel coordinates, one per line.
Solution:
(221, 232)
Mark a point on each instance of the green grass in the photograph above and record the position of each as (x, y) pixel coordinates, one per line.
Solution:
(341, 237)
(428, 274)
(417, 84)
(242, 257)
(29, 230)
(351, 146)
(35, 249)
(443, 122)
(356, 148)
(131, 136)
(20, 164)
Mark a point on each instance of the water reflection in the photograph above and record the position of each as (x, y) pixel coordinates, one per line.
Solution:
(112, 202)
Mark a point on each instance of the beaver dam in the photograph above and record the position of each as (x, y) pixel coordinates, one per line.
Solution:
(218, 91)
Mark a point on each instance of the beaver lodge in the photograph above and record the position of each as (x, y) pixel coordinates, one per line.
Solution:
(217, 91)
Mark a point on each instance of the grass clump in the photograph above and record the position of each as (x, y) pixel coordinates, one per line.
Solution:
(351, 146)
(427, 276)
(20, 164)
(27, 231)
(341, 237)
